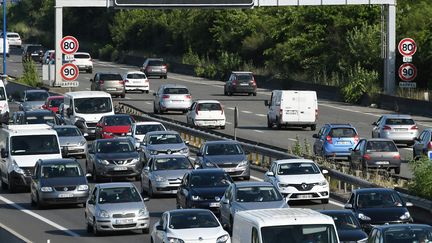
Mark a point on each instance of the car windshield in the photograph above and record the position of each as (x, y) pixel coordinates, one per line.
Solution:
(144, 129)
(408, 234)
(67, 131)
(298, 169)
(164, 139)
(136, 76)
(223, 149)
(319, 233)
(36, 96)
(188, 220)
(43, 119)
(210, 180)
(381, 146)
(382, 199)
(209, 107)
(32, 49)
(2, 94)
(156, 63)
(345, 221)
(115, 146)
(93, 105)
(176, 91)
(257, 194)
(61, 170)
(118, 195)
(110, 76)
(395, 121)
(56, 102)
(342, 133)
(244, 77)
(34, 144)
(176, 163)
(118, 121)
(81, 56)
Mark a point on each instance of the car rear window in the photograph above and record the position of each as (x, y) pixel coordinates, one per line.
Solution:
(176, 91)
(344, 132)
(399, 121)
(13, 36)
(244, 77)
(136, 76)
(110, 77)
(81, 56)
(209, 107)
(156, 63)
(381, 146)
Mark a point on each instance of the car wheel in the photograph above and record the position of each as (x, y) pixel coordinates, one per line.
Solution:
(32, 201)
(225, 92)
(246, 178)
(155, 111)
(11, 186)
(39, 204)
(325, 201)
(313, 127)
(95, 229)
(94, 175)
(89, 228)
(160, 77)
(397, 170)
(146, 231)
(4, 186)
(150, 190)
(222, 127)
(254, 94)
(269, 123)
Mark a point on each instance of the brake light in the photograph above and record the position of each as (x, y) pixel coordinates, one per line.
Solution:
(253, 82)
(126, 81)
(234, 83)
(164, 66)
(329, 139)
(397, 156)
(356, 139)
(101, 82)
(121, 82)
(366, 157)
(188, 96)
(414, 127)
(429, 146)
(196, 109)
(386, 128)
(165, 96)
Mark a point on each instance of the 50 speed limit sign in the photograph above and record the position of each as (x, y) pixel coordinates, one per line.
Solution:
(407, 72)
(69, 45)
(69, 72)
(407, 47)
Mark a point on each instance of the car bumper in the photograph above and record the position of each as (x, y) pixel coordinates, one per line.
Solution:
(400, 138)
(115, 225)
(84, 67)
(243, 89)
(317, 192)
(115, 171)
(209, 122)
(114, 92)
(137, 87)
(74, 150)
(238, 172)
(384, 163)
(165, 187)
(175, 106)
(69, 197)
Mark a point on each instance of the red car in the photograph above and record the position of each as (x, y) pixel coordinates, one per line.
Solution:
(114, 126)
(53, 103)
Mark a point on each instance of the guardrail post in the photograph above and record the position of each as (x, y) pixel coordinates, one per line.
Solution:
(344, 184)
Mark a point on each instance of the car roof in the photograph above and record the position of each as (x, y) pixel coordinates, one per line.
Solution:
(108, 73)
(252, 183)
(161, 132)
(115, 184)
(374, 189)
(208, 171)
(227, 141)
(88, 94)
(57, 161)
(147, 123)
(173, 86)
(35, 91)
(336, 211)
(207, 101)
(339, 125)
(56, 97)
(285, 161)
(135, 72)
(397, 116)
(390, 226)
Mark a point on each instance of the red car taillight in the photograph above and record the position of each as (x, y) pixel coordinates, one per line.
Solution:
(397, 156)
(356, 139)
(429, 146)
(414, 127)
(101, 82)
(366, 157)
(126, 81)
(121, 82)
(188, 97)
(165, 96)
(253, 82)
(164, 67)
(196, 109)
(329, 139)
(386, 128)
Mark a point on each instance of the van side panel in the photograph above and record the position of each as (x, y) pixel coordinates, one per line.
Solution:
(242, 231)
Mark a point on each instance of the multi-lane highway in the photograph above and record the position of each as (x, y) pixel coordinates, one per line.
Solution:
(63, 224)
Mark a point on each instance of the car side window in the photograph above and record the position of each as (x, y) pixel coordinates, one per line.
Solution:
(185, 180)
(94, 194)
(379, 120)
(255, 237)
(321, 131)
(351, 199)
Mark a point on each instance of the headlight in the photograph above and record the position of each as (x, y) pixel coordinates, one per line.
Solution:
(362, 240)
(16, 168)
(108, 133)
(134, 161)
(102, 161)
(160, 178)
(143, 213)
(405, 216)
(363, 217)
(103, 214)
(82, 143)
(83, 187)
(153, 152)
(46, 189)
(281, 185)
(323, 183)
(184, 150)
(175, 240)
(243, 164)
(222, 239)
(196, 198)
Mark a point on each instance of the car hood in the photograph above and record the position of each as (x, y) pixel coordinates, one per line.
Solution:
(172, 146)
(116, 129)
(131, 155)
(299, 179)
(70, 140)
(218, 159)
(30, 160)
(170, 174)
(33, 104)
(132, 207)
(209, 191)
(383, 214)
(63, 181)
(192, 235)
(260, 205)
(351, 235)
(93, 118)
(139, 138)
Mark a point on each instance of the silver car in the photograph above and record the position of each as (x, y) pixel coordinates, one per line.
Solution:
(163, 174)
(116, 207)
(111, 83)
(399, 128)
(248, 196)
(72, 141)
(33, 99)
(164, 142)
(172, 97)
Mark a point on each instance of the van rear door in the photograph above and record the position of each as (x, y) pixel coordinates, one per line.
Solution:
(290, 107)
(307, 106)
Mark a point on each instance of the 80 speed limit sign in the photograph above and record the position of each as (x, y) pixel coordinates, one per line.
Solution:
(407, 72)
(407, 47)
(69, 45)
(69, 72)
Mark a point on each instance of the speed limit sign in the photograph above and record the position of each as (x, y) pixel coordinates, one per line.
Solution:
(69, 45)
(407, 47)
(407, 72)
(69, 72)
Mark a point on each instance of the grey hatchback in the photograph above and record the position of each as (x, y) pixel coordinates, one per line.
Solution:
(111, 83)
(58, 181)
(400, 128)
(155, 67)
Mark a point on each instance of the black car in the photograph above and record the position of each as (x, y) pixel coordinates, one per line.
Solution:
(34, 52)
(58, 181)
(377, 206)
(347, 226)
(240, 82)
(155, 67)
(36, 117)
(404, 233)
(203, 189)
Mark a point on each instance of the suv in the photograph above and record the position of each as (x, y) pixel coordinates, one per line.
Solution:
(240, 82)
(155, 67)
(399, 128)
(111, 83)
(34, 52)
(335, 140)
(83, 61)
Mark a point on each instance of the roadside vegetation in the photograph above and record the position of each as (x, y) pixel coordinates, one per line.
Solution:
(30, 75)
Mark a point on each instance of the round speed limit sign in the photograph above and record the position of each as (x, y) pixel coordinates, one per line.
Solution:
(69, 45)
(407, 47)
(69, 72)
(407, 72)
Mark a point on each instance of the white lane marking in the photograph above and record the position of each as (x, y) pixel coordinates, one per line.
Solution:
(258, 131)
(262, 115)
(148, 103)
(349, 110)
(15, 233)
(87, 88)
(247, 112)
(128, 98)
(41, 218)
(408, 149)
(256, 178)
(292, 139)
(230, 108)
(229, 123)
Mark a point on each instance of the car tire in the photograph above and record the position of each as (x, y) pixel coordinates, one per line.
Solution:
(95, 230)
(32, 201)
(94, 175)
(155, 111)
(145, 231)
(161, 77)
(397, 170)
(38, 203)
(150, 190)
(4, 186)
(324, 201)
(11, 186)
(89, 228)
(222, 127)
(269, 123)
(313, 127)
(254, 94)
(246, 178)
(225, 92)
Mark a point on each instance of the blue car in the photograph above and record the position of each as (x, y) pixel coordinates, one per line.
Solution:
(335, 141)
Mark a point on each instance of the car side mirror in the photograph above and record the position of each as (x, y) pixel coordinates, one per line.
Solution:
(269, 173)
(146, 168)
(348, 206)
(4, 153)
(409, 204)
(160, 228)
(374, 124)
(88, 175)
(91, 201)
(266, 103)
(85, 134)
(315, 135)
(146, 199)
(186, 142)
(324, 172)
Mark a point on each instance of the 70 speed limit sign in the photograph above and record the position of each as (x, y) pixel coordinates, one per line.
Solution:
(407, 72)
(69, 72)
(407, 47)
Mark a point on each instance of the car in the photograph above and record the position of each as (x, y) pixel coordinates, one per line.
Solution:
(111, 83)
(83, 61)
(335, 141)
(376, 153)
(299, 179)
(58, 181)
(423, 144)
(53, 102)
(48, 56)
(33, 99)
(400, 128)
(117, 125)
(36, 117)
(377, 206)
(34, 52)
(140, 129)
(226, 154)
(248, 196)
(116, 207)
(115, 157)
(72, 141)
(188, 225)
(206, 113)
(347, 226)
(155, 67)
(162, 174)
(240, 82)
(136, 81)
(4, 104)
(172, 97)
(409, 233)
(164, 142)
(203, 189)
(14, 39)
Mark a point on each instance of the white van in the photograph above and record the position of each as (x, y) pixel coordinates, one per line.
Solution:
(1, 46)
(294, 225)
(292, 108)
(85, 108)
(4, 106)
(21, 146)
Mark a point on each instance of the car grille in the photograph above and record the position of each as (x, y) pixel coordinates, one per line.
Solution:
(174, 181)
(28, 171)
(62, 188)
(303, 186)
(91, 124)
(168, 151)
(123, 226)
(168, 188)
(126, 215)
(226, 165)
(120, 162)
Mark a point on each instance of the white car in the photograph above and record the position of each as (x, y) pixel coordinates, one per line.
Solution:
(136, 81)
(299, 179)
(140, 129)
(14, 39)
(206, 113)
(189, 225)
(83, 61)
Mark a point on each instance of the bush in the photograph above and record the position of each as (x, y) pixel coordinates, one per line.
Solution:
(190, 58)
(106, 53)
(30, 76)
(360, 81)
(421, 183)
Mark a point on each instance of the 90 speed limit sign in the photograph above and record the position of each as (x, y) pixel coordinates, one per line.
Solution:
(69, 45)
(407, 47)
(407, 72)
(69, 72)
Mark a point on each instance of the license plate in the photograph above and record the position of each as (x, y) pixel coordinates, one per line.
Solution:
(244, 84)
(230, 170)
(65, 195)
(215, 205)
(111, 89)
(120, 168)
(136, 82)
(400, 129)
(382, 162)
(291, 112)
(305, 196)
(156, 70)
(343, 142)
(124, 221)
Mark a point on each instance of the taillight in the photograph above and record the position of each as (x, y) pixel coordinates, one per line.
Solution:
(196, 109)
(386, 128)
(414, 127)
(356, 139)
(366, 157)
(101, 81)
(126, 80)
(253, 82)
(165, 96)
(188, 96)
(316, 114)
(429, 146)
(164, 66)
(234, 83)
(329, 139)
(397, 156)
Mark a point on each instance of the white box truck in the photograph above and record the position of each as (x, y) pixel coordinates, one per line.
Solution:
(292, 108)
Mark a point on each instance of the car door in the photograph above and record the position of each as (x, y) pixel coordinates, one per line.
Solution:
(183, 191)
(146, 173)
(376, 129)
(35, 180)
(91, 205)
(225, 205)
(190, 116)
(357, 153)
